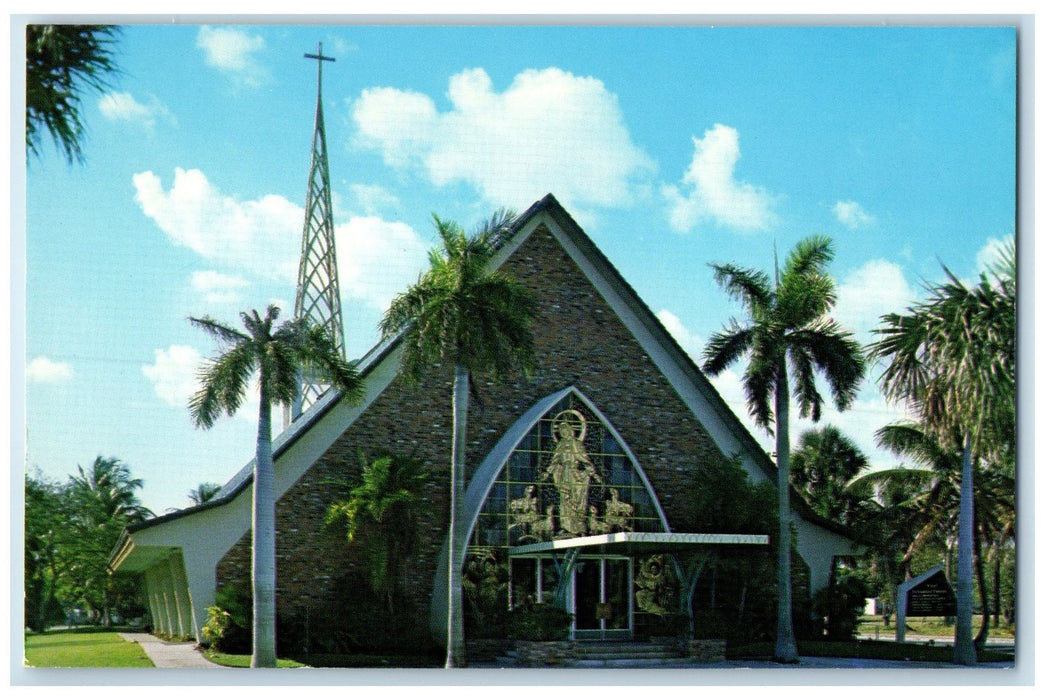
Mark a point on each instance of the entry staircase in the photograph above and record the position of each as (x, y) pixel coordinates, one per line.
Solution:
(599, 654)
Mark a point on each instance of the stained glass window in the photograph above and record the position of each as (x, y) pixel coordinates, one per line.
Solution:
(569, 477)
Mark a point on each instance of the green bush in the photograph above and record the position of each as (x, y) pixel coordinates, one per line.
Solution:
(539, 622)
(230, 620)
(842, 605)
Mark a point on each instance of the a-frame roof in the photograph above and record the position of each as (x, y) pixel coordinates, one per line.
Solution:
(548, 207)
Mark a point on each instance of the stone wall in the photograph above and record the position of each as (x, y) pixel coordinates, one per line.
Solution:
(579, 341)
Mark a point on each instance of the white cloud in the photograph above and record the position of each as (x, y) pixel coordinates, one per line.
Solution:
(46, 371)
(710, 190)
(262, 236)
(123, 106)
(233, 51)
(377, 259)
(878, 287)
(548, 131)
(373, 198)
(175, 378)
(218, 288)
(173, 374)
(852, 215)
(988, 255)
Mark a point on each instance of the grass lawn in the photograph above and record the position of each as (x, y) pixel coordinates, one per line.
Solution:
(332, 661)
(83, 649)
(929, 626)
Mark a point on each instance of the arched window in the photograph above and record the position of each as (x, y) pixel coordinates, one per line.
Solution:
(570, 476)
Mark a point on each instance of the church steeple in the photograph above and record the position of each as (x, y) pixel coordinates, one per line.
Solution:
(318, 295)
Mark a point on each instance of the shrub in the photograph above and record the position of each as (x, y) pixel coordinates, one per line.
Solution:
(230, 620)
(538, 622)
(842, 605)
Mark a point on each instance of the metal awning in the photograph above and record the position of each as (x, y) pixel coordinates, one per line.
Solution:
(639, 543)
(688, 550)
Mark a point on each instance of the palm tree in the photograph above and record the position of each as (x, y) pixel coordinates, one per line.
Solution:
(203, 493)
(932, 488)
(825, 461)
(951, 359)
(383, 510)
(61, 59)
(787, 326)
(463, 313)
(103, 501)
(279, 356)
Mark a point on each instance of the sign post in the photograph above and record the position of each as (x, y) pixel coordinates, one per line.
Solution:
(928, 595)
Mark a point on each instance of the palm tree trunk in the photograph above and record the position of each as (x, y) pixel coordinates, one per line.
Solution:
(263, 553)
(964, 649)
(981, 579)
(786, 646)
(455, 612)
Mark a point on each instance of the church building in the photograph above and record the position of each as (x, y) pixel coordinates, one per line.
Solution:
(574, 473)
(577, 474)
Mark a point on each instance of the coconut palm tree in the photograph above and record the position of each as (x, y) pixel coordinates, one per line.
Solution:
(465, 314)
(787, 327)
(279, 356)
(60, 61)
(825, 461)
(932, 488)
(103, 500)
(951, 359)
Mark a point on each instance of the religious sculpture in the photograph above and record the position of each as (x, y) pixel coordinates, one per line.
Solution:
(571, 470)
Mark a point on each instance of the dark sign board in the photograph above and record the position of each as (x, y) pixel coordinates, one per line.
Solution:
(933, 597)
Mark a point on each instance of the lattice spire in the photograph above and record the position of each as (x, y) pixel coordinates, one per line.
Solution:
(318, 292)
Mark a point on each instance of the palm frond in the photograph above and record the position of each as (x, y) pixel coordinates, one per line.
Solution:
(749, 286)
(218, 330)
(726, 347)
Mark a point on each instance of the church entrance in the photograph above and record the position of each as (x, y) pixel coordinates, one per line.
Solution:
(602, 598)
(598, 593)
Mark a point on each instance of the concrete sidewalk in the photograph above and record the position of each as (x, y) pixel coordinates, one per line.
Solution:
(169, 654)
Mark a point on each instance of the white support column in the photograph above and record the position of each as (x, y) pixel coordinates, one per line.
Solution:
(185, 620)
(176, 594)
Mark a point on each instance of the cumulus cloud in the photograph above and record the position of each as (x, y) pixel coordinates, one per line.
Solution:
(373, 198)
(44, 370)
(173, 374)
(852, 215)
(877, 287)
(175, 378)
(710, 191)
(262, 236)
(549, 130)
(377, 259)
(232, 51)
(124, 107)
(218, 288)
(989, 254)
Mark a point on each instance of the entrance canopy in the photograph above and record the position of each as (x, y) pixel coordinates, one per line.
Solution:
(688, 550)
(638, 543)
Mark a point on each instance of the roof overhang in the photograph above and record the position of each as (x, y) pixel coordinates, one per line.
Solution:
(638, 543)
(132, 558)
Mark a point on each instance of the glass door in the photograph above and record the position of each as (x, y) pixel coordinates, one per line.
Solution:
(602, 598)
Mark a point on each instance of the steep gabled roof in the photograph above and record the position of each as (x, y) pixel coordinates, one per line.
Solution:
(550, 207)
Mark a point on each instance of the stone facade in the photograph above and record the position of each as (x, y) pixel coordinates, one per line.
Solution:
(580, 341)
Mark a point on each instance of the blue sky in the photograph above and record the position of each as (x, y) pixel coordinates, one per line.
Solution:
(673, 147)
